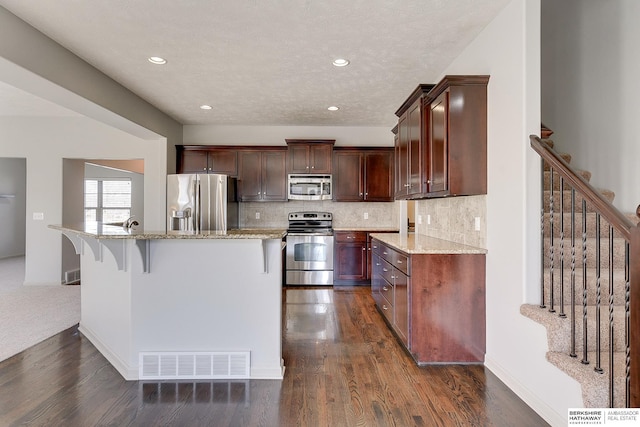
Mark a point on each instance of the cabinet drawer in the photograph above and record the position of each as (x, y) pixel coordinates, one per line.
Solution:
(401, 262)
(350, 236)
(386, 290)
(386, 271)
(393, 257)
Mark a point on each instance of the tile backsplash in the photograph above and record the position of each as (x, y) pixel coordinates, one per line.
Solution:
(274, 214)
(454, 219)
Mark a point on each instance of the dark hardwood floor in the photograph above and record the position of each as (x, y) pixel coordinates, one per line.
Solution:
(344, 368)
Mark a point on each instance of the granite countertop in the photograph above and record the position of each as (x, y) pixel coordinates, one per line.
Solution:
(104, 231)
(370, 229)
(412, 243)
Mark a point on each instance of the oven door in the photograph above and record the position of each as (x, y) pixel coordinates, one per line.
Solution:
(309, 252)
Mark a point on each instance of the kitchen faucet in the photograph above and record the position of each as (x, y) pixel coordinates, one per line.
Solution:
(130, 223)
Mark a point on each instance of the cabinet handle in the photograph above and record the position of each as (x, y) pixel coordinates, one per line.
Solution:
(313, 167)
(384, 307)
(364, 249)
(204, 169)
(366, 194)
(259, 193)
(349, 237)
(384, 269)
(384, 288)
(407, 185)
(377, 263)
(399, 262)
(385, 252)
(360, 194)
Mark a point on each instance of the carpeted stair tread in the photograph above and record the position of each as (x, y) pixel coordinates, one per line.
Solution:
(619, 282)
(595, 386)
(566, 199)
(565, 156)
(559, 328)
(591, 225)
(619, 245)
(556, 179)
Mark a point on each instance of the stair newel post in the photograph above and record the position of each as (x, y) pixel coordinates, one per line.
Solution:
(573, 273)
(611, 316)
(598, 368)
(585, 354)
(562, 313)
(542, 305)
(551, 243)
(633, 315)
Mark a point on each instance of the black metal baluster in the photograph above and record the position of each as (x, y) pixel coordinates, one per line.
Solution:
(585, 355)
(611, 396)
(598, 368)
(542, 305)
(627, 325)
(552, 244)
(562, 313)
(573, 273)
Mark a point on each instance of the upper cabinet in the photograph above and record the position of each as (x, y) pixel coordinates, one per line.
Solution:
(310, 155)
(262, 176)
(410, 144)
(207, 159)
(363, 174)
(450, 120)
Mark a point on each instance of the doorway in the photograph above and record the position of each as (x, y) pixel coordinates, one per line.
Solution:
(13, 212)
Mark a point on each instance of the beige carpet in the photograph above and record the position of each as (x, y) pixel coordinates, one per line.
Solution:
(31, 314)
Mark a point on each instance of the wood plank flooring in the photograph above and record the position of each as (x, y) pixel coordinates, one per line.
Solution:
(344, 368)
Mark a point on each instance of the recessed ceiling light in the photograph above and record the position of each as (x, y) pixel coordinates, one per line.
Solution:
(340, 62)
(157, 60)
(333, 108)
(206, 107)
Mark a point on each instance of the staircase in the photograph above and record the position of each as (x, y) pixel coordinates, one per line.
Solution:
(585, 288)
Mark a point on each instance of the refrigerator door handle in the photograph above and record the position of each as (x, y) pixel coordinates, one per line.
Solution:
(196, 216)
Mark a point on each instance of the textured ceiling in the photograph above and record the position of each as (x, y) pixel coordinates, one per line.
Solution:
(266, 62)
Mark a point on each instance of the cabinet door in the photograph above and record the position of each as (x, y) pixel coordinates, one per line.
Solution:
(274, 176)
(378, 176)
(224, 162)
(298, 158)
(347, 177)
(415, 149)
(350, 261)
(320, 158)
(401, 305)
(193, 161)
(402, 157)
(437, 170)
(250, 177)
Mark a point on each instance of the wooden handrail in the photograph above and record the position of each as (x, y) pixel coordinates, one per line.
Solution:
(620, 222)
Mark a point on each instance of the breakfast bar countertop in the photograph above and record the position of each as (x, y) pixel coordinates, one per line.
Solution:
(107, 231)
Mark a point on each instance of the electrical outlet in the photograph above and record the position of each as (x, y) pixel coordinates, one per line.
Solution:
(477, 223)
(419, 219)
(257, 215)
(428, 219)
(38, 216)
(366, 215)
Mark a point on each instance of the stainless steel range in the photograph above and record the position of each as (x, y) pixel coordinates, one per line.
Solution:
(309, 249)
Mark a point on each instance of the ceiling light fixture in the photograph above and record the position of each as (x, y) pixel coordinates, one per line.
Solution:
(333, 108)
(340, 62)
(206, 107)
(157, 60)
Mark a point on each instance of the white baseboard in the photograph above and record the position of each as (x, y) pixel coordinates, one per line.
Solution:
(128, 373)
(549, 414)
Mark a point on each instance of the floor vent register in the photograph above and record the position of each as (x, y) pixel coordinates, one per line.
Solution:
(196, 365)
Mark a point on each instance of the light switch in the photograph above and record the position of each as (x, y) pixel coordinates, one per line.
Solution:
(477, 223)
(366, 215)
(38, 216)
(428, 219)
(257, 215)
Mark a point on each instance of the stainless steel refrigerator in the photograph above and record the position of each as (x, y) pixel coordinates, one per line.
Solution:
(198, 202)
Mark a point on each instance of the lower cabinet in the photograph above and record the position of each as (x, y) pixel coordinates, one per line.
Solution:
(350, 257)
(435, 303)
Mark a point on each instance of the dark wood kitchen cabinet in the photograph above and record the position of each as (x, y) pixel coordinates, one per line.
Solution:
(207, 159)
(363, 175)
(310, 155)
(456, 150)
(350, 257)
(434, 302)
(441, 143)
(262, 175)
(410, 144)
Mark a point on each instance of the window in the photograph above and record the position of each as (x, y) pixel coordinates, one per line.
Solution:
(107, 200)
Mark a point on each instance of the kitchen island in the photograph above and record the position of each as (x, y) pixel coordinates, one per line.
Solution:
(180, 305)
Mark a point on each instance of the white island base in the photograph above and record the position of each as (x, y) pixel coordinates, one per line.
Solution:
(206, 308)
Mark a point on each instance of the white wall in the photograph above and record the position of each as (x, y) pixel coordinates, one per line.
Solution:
(275, 135)
(12, 209)
(509, 51)
(590, 86)
(44, 142)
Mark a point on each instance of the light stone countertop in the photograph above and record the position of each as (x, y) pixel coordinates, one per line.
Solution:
(370, 229)
(412, 243)
(104, 231)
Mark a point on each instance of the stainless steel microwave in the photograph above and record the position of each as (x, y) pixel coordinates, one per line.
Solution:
(309, 187)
